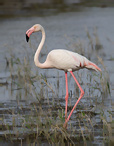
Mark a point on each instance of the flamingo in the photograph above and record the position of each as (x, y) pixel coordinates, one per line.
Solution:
(63, 60)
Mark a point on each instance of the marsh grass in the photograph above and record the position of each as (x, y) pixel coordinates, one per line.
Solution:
(42, 119)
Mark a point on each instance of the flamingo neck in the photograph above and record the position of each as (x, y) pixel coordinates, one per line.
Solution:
(36, 57)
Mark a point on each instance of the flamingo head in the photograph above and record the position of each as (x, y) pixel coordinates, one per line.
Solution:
(34, 28)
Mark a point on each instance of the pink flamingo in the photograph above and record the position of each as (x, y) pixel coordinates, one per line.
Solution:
(63, 60)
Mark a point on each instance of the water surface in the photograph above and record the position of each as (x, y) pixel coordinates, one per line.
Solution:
(62, 31)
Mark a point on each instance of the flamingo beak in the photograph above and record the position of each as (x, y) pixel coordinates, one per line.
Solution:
(27, 38)
(28, 33)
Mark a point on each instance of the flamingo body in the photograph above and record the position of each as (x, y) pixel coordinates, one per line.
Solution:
(67, 60)
(62, 60)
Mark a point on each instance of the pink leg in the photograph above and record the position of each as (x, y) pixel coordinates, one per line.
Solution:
(66, 97)
(81, 95)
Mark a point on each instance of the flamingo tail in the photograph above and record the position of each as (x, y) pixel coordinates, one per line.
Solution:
(92, 66)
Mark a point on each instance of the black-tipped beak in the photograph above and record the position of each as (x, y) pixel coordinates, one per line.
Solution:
(27, 38)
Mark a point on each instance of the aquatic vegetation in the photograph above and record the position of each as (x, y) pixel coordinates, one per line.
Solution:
(42, 118)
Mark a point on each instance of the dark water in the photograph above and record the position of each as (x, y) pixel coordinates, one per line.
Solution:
(43, 8)
(62, 31)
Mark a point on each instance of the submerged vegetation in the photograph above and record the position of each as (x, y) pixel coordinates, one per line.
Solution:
(42, 119)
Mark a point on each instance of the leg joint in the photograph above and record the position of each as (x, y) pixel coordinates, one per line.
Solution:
(82, 92)
(66, 97)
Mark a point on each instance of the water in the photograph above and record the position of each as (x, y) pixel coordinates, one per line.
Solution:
(62, 30)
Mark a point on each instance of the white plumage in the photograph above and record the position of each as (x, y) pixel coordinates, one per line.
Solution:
(63, 60)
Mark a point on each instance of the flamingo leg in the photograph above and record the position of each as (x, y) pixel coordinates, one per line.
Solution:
(81, 95)
(66, 97)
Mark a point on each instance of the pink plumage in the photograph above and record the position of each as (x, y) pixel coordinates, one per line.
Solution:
(62, 60)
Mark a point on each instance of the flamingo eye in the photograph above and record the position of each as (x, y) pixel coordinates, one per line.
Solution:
(35, 27)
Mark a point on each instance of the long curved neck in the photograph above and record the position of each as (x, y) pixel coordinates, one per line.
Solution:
(36, 57)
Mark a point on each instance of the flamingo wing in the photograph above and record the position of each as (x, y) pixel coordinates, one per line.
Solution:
(65, 60)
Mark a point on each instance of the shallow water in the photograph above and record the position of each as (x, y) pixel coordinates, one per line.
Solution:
(62, 31)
